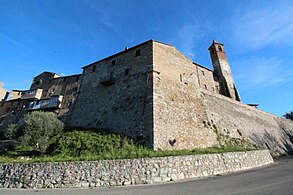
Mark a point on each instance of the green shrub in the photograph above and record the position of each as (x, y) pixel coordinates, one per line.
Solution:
(39, 127)
(86, 143)
(14, 132)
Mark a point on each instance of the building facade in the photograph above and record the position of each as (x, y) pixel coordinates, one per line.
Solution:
(154, 93)
(3, 92)
(48, 92)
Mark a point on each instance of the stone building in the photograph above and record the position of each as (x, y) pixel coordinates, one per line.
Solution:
(154, 93)
(48, 92)
(3, 92)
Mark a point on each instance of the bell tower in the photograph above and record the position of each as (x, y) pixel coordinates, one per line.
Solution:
(222, 71)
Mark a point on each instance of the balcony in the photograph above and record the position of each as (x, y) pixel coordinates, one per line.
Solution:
(53, 102)
(32, 94)
(107, 80)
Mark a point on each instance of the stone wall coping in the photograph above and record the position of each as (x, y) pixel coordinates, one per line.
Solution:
(132, 159)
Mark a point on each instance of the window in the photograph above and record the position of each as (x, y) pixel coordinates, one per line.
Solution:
(94, 68)
(2, 104)
(220, 48)
(127, 71)
(75, 89)
(202, 73)
(39, 82)
(205, 86)
(137, 53)
(113, 62)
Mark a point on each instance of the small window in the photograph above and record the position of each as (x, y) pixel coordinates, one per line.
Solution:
(220, 48)
(202, 73)
(137, 53)
(113, 62)
(39, 82)
(2, 104)
(94, 68)
(75, 89)
(205, 86)
(127, 71)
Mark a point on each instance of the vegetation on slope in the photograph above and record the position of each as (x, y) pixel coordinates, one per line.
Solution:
(41, 139)
(89, 145)
(289, 115)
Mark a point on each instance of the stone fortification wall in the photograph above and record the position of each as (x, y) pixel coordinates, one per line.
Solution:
(116, 94)
(178, 109)
(127, 172)
(239, 120)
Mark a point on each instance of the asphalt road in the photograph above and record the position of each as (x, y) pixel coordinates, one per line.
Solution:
(273, 179)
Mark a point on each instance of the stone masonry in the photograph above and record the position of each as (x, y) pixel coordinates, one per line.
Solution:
(154, 93)
(127, 172)
(3, 92)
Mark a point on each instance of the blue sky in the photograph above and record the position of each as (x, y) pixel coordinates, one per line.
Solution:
(63, 35)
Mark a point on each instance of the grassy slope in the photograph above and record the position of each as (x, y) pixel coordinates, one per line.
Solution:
(87, 145)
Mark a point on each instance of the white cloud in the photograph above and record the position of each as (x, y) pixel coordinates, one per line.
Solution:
(186, 38)
(12, 41)
(260, 72)
(260, 27)
(104, 19)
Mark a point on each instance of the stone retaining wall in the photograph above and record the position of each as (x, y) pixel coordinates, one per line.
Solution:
(127, 172)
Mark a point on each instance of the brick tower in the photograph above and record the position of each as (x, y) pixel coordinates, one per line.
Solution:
(222, 71)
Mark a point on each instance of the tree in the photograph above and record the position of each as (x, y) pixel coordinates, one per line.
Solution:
(39, 127)
(14, 132)
(289, 115)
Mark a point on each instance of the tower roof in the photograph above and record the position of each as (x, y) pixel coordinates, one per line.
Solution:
(214, 41)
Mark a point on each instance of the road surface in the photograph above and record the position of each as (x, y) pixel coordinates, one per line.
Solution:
(273, 179)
